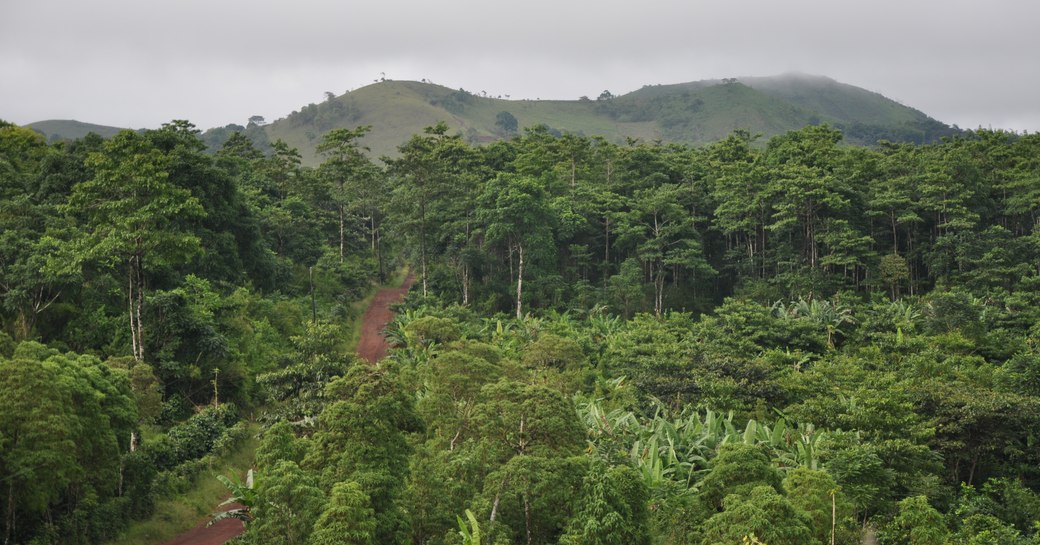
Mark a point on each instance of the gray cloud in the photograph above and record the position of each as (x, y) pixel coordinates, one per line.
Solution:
(143, 62)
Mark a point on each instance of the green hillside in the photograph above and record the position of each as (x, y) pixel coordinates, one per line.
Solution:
(68, 129)
(398, 109)
(692, 113)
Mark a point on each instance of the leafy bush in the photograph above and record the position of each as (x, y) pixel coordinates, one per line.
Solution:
(193, 438)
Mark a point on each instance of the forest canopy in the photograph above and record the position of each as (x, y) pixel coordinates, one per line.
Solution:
(792, 341)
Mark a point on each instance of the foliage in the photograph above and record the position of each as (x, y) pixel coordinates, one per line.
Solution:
(917, 523)
(347, 519)
(808, 338)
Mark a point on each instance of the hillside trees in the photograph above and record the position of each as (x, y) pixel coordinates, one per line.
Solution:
(515, 212)
(810, 334)
(133, 218)
(65, 423)
(787, 255)
(354, 180)
(27, 214)
(421, 181)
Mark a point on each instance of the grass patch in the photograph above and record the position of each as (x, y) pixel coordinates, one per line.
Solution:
(176, 515)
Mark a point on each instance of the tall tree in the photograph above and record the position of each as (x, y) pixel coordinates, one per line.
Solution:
(804, 186)
(421, 179)
(515, 211)
(133, 219)
(352, 176)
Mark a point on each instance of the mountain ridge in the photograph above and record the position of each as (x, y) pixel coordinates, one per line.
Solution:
(694, 113)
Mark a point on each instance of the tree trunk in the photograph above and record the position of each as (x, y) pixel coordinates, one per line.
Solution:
(342, 231)
(140, 322)
(520, 281)
(465, 285)
(834, 516)
(895, 233)
(422, 243)
(9, 517)
(130, 308)
(379, 251)
(527, 518)
(372, 232)
(498, 496)
(658, 279)
(135, 301)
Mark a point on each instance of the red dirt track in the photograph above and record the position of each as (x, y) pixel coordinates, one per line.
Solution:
(218, 534)
(371, 347)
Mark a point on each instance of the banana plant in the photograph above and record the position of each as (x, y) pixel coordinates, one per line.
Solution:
(469, 529)
(242, 494)
(680, 448)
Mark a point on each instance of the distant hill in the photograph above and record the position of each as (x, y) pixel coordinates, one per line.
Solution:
(694, 113)
(67, 129)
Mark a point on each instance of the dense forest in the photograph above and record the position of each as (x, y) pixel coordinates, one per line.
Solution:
(784, 342)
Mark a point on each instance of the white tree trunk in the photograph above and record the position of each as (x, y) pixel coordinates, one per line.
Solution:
(520, 282)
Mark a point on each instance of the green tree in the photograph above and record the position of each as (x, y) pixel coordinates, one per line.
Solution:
(65, 426)
(521, 419)
(507, 122)
(805, 187)
(361, 438)
(664, 236)
(279, 444)
(421, 180)
(289, 502)
(738, 469)
(891, 195)
(37, 440)
(27, 286)
(453, 383)
(133, 218)
(917, 523)
(347, 519)
(759, 512)
(611, 509)
(740, 187)
(353, 177)
(515, 212)
(817, 495)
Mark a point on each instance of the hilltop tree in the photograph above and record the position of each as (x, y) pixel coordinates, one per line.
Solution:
(507, 122)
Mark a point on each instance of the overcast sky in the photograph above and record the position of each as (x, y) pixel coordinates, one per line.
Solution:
(140, 63)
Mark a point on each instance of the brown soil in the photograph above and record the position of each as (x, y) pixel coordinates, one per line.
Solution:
(218, 534)
(372, 346)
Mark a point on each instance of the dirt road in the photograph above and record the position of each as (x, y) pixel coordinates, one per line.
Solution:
(372, 346)
(218, 534)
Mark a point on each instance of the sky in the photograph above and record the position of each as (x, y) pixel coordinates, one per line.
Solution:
(140, 63)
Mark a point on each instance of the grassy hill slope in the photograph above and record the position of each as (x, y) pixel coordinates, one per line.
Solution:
(398, 109)
(67, 129)
(694, 113)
